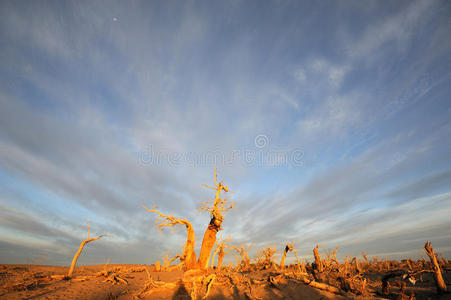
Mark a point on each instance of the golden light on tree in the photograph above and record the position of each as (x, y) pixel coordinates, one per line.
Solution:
(288, 247)
(318, 261)
(265, 258)
(216, 208)
(80, 249)
(222, 249)
(243, 251)
(189, 256)
(439, 282)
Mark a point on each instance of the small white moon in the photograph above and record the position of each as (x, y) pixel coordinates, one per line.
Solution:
(114, 19)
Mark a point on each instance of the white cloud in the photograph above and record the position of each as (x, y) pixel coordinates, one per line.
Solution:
(300, 75)
(320, 73)
(334, 117)
(397, 28)
(337, 74)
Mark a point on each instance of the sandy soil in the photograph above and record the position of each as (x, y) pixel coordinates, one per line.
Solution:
(42, 282)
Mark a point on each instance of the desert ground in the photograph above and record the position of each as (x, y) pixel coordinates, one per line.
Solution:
(352, 279)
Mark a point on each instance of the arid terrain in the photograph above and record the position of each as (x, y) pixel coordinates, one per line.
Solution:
(353, 279)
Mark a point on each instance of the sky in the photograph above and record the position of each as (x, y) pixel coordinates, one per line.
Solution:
(329, 121)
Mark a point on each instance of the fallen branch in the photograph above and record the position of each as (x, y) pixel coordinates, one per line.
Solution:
(152, 285)
(318, 285)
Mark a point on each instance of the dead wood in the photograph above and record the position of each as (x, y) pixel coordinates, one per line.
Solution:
(216, 209)
(82, 244)
(189, 256)
(440, 283)
(318, 262)
(288, 247)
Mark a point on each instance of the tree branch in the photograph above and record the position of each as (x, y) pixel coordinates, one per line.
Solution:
(167, 220)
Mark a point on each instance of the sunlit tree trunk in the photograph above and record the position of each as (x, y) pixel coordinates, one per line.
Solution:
(220, 259)
(80, 249)
(319, 264)
(209, 239)
(288, 247)
(208, 242)
(189, 256)
(220, 251)
(440, 283)
(216, 210)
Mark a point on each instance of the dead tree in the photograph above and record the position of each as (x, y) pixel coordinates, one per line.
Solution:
(165, 261)
(301, 266)
(441, 286)
(221, 252)
(82, 244)
(288, 247)
(332, 257)
(179, 256)
(356, 263)
(319, 263)
(244, 253)
(179, 266)
(189, 256)
(216, 209)
(265, 258)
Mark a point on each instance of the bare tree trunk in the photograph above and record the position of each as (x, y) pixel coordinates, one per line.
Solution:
(213, 258)
(282, 261)
(221, 253)
(157, 266)
(77, 254)
(319, 264)
(165, 262)
(300, 269)
(441, 286)
(189, 254)
(216, 211)
(208, 242)
(74, 260)
(288, 247)
(220, 259)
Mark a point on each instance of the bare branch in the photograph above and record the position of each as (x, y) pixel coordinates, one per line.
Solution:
(214, 178)
(167, 220)
(210, 187)
(96, 238)
(228, 251)
(189, 256)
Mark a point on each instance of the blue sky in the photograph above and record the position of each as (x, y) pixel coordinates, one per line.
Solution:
(328, 120)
